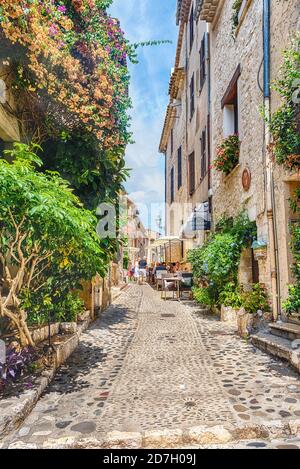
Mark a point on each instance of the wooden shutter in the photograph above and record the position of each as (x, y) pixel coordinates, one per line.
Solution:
(202, 63)
(172, 185)
(192, 173)
(203, 155)
(179, 168)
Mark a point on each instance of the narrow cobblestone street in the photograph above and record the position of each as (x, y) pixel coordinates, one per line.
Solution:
(147, 364)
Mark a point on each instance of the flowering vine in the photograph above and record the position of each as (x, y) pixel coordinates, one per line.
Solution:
(73, 54)
(227, 154)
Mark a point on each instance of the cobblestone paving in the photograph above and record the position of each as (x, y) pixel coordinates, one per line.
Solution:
(150, 364)
(290, 443)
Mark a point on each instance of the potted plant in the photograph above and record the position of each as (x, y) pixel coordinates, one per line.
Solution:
(230, 299)
(227, 154)
(254, 302)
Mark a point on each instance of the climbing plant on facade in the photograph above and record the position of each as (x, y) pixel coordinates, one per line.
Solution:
(69, 59)
(285, 122)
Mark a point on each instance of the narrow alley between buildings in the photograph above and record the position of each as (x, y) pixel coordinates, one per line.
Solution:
(162, 373)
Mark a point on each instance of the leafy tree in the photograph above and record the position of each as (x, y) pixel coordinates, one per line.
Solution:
(48, 241)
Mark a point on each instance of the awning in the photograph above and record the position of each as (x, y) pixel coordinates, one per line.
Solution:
(199, 220)
(165, 240)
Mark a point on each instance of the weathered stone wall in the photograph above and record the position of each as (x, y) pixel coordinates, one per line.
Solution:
(9, 129)
(285, 21)
(247, 50)
(187, 134)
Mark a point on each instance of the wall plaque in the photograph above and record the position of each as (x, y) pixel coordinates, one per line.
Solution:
(246, 179)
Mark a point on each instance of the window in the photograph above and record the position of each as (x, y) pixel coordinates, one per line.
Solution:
(202, 63)
(192, 97)
(192, 28)
(172, 141)
(172, 185)
(192, 173)
(230, 106)
(203, 154)
(179, 168)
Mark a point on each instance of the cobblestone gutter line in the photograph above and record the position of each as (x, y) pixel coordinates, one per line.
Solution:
(201, 435)
(19, 408)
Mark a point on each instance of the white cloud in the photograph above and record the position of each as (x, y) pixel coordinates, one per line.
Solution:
(148, 20)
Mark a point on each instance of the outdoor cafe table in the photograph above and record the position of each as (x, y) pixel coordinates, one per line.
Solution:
(177, 281)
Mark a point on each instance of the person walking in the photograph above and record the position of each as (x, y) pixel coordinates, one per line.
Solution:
(136, 271)
(143, 268)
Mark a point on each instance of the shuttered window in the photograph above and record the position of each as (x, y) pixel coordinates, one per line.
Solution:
(202, 63)
(192, 173)
(203, 154)
(172, 185)
(192, 28)
(192, 97)
(179, 168)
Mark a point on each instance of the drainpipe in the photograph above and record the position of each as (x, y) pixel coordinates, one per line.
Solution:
(269, 164)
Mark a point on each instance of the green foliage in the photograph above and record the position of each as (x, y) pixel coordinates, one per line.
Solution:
(46, 236)
(235, 15)
(56, 308)
(292, 304)
(255, 299)
(215, 264)
(285, 122)
(97, 175)
(227, 154)
(203, 296)
(231, 296)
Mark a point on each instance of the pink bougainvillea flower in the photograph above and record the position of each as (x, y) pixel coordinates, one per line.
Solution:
(53, 30)
(62, 9)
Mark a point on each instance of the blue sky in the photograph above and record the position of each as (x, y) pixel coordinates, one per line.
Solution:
(144, 20)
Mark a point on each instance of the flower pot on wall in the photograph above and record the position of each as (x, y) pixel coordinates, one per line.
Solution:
(228, 314)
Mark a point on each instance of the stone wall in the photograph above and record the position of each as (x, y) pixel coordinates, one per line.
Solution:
(9, 128)
(187, 134)
(246, 50)
(285, 20)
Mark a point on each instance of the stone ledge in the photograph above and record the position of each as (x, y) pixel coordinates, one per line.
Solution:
(170, 438)
(19, 408)
(278, 347)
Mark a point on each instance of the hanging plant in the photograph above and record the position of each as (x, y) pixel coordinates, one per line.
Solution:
(285, 122)
(227, 154)
(235, 15)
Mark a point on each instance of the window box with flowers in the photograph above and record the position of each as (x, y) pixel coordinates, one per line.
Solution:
(227, 154)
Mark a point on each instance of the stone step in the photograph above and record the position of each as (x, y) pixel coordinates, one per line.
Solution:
(278, 347)
(286, 330)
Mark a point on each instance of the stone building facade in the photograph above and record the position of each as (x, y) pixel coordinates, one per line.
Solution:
(185, 138)
(240, 64)
(237, 67)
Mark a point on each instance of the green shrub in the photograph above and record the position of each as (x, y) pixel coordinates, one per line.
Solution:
(48, 241)
(231, 296)
(215, 264)
(203, 296)
(285, 122)
(292, 304)
(255, 299)
(68, 309)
